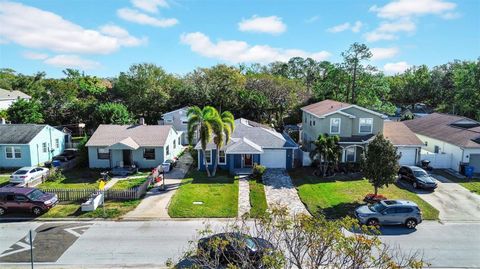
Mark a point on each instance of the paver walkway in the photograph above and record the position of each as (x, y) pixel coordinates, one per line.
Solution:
(243, 196)
(279, 191)
(155, 204)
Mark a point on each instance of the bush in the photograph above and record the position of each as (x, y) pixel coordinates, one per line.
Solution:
(55, 175)
(258, 171)
(372, 198)
(82, 152)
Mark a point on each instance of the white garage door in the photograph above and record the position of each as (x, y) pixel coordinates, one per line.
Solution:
(407, 156)
(272, 158)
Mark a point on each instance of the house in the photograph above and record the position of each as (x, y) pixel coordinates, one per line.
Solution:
(145, 146)
(356, 126)
(455, 136)
(251, 143)
(408, 145)
(7, 98)
(179, 120)
(29, 144)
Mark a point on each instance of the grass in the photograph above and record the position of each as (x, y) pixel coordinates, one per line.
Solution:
(219, 195)
(337, 199)
(78, 178)
(113, 210)
(472, 184)
(128, 183)
(4, 180)
(257, 199)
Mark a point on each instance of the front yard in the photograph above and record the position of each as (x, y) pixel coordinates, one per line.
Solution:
(339, 198)
(4, 180)
(113, 210)
(258, 200)
(200, 196)
(472, 185)
(78, 178)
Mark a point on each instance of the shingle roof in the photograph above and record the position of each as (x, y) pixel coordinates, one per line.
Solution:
(244, 145)
(12, 95)
(437, 126)
(19, 133)
(142, 135)
(399, 134)
(324, 107)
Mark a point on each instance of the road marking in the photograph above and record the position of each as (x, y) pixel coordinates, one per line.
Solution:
(12, 250)
(77, 231)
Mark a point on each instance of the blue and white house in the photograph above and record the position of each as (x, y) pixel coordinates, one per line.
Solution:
(251, 143)
(29, 144)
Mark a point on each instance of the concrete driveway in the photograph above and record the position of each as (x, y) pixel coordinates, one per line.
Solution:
(454, 202)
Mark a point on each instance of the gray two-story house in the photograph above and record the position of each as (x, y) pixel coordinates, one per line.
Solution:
(356, 126)
(179, 120)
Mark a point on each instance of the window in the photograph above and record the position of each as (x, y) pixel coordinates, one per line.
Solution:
(174, 144)
(184, 121)
(20, 198)
(222, 159)
(57, 143)
(103, 154)
(208, 156)
(404, 210)
(436, 149)
(168, 150)
(350, 154)
(13, 152)
(365, 125)
(149, 154)
(335, 125)
(313, 122)
(44, 147)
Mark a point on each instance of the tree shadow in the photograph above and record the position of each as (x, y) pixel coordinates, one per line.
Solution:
(305, 175)
(338, 211)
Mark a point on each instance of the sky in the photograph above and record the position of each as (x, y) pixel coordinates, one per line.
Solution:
(106, 37)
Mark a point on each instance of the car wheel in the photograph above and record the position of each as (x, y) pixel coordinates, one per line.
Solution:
(411, 223)
(373, 222)
(37, 211)
(415, 186)
(2, 211)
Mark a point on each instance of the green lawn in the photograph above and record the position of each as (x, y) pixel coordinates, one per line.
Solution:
(113, 210)
(471, 184)
(129, 183)
(257, 198)
(338, 199)
(219, 196)
(78, 178)
(4, 180)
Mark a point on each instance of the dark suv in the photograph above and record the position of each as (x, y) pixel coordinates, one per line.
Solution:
(17, 199)
(418, 177)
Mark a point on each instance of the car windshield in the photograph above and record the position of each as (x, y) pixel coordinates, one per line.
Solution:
(21, 172)
(250, 244)
(378, 207)
(420, 173)
(34, 195)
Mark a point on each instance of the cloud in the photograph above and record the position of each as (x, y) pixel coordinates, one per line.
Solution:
(239, 51)
(408, 8)
(122, 35)
(149, 5)
(346, 26)
(35, 28)
(71, 61)
(387, 30)
(396, 68)
(312, 19)
(270, 25)
(34, 55)
(383, 53)
(451, 15)
(136, 16)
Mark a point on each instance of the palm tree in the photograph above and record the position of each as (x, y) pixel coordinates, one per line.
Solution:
(327, 149)
(205, 122)
(228, 125)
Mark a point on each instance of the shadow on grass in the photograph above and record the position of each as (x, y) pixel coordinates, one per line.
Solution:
(305, 175)
(338, 211)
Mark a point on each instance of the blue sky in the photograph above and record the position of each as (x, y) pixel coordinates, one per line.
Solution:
(106, 37)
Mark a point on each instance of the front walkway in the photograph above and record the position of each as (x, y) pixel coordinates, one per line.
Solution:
(243, 196)
(280, 192)
(155, 204)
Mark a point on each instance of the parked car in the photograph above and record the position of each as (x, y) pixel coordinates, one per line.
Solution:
(237, 247)
(390, 212)
(418, 177)
(17, 199)
(67, 154)
(168, 165)
(28, 174)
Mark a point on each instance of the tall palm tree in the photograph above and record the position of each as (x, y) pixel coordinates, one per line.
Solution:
(228, 125)
(205, 122)
(328, 151)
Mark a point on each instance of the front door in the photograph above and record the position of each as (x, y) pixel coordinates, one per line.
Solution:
(247, 160)
(127, 157)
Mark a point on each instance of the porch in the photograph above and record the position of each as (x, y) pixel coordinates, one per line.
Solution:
(241, 171)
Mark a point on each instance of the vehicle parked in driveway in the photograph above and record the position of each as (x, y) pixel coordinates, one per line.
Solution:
(19, 199)
(67, 155)
(418, 177)
(390, 212)
(28, 174)
(168, 165)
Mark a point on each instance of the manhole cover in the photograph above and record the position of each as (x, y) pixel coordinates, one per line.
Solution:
(198, 203)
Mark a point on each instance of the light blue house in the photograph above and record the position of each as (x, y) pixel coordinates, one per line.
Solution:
(29, 144)
(142, 146)
(251, 143)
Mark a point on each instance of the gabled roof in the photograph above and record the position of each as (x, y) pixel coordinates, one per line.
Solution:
(173, 111)
(329, 107)
(130, 135)
(19, 133)
(439, 126)
(243, 145)
(12, 95)
(400, 135)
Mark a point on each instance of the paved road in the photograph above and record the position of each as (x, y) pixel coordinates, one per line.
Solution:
(150, 244)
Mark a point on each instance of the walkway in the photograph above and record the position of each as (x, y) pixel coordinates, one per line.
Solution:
(279, 191)
(155, 204)
(243, 196)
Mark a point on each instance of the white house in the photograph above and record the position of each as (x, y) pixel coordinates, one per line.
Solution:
(7, 98)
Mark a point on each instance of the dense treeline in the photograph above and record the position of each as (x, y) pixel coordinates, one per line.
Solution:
(266, 93)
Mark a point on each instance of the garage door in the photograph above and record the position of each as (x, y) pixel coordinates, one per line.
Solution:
(272, 158)
(475, 162)
(407, 156)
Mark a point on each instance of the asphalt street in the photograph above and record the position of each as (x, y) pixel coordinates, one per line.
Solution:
(151, 243)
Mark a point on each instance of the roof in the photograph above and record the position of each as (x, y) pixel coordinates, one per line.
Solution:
(328, 107)
(244, 145)
(130, 136)
(438, 126)
(19, 133)
(173, 111)
(399, 134)
(17, 190)
(12, 95)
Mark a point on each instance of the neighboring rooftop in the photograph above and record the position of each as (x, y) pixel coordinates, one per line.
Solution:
(130, 135)
(12, 95)
(19, 133)
(328, 107)
(399, 134)
(442, 127)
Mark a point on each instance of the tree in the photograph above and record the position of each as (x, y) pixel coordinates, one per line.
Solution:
(224, 135)
(24, 111)
(380, 163)
(112, 113)
(466, 78)
(327, 151)
(353, 58)
(205, 122)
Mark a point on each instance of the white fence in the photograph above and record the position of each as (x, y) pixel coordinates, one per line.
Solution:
(437, 160)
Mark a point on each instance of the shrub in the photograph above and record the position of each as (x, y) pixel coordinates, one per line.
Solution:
(55, 175)
(372, 198)
(82, 152)
(258, 171)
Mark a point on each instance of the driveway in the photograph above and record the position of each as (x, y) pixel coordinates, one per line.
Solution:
(454, 202)
(155, 204)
